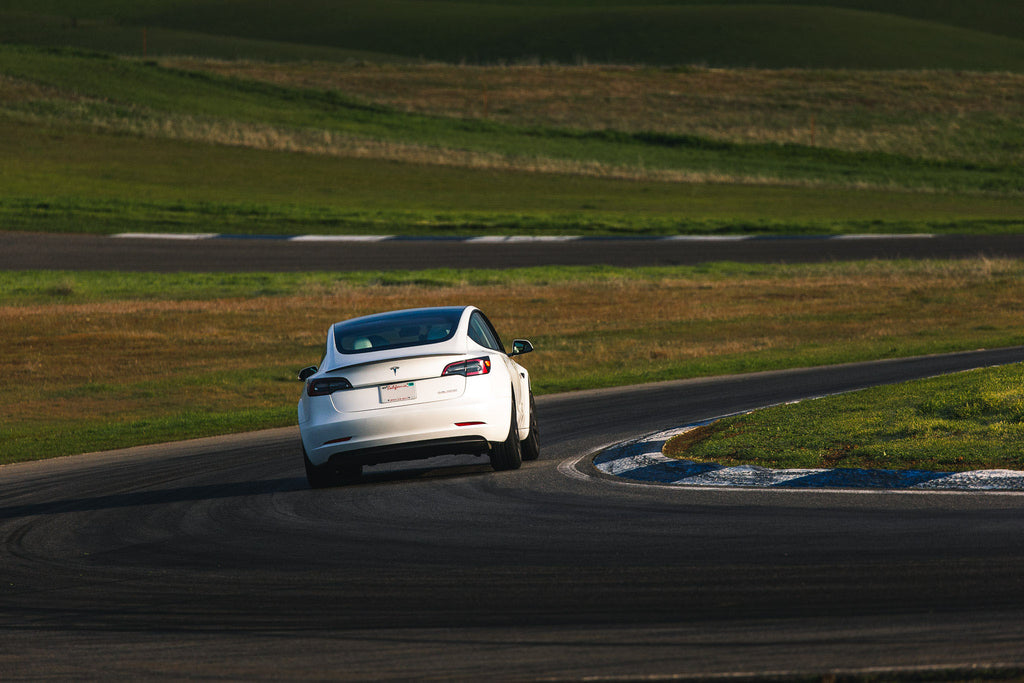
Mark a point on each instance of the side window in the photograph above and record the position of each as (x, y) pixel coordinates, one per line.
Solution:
(482, 333)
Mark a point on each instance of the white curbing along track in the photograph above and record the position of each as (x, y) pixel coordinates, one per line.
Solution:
(506, 239)
(641, 460)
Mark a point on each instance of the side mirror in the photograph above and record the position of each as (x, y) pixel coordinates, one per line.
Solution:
(306, 373)
(520, 346)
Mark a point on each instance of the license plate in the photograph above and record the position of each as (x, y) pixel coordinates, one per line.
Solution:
(395, 393)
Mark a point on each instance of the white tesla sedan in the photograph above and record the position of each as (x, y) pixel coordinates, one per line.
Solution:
(414, 384)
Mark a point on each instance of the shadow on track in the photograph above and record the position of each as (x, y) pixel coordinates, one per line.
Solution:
(161, 497)
(208, 492)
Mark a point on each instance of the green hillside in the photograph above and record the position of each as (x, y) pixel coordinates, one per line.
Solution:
(956, 34)
(99, 143)
(999, 17)
(375, 116)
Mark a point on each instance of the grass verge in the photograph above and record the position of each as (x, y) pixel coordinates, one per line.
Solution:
(967, 421)
(93, 360)
(73, 181)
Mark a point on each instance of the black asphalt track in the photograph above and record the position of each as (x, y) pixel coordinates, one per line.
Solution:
(213, 559)
(96, 252)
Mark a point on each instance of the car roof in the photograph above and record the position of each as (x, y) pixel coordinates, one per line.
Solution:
(410, 312)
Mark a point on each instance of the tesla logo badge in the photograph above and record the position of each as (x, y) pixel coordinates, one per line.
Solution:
(394, 369)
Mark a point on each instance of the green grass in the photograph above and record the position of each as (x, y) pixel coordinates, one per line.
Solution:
(77, 182)
(99, 144)
(94, 360)
(118, 89)
(48, 287)
(839, 33)
(89, 142)
(962, 422)
(730, 35)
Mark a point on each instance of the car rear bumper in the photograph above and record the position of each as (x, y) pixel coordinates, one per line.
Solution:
(414, 450)
(465, 425)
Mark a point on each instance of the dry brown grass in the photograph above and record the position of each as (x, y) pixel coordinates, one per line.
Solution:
(930, 114)
(250, 135)
(14, 90)
(115, 359)
(329, 143)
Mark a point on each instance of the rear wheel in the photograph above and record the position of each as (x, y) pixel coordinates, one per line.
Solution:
(508, 454)
(531, 445)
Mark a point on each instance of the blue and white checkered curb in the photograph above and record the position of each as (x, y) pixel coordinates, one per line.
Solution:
(641, 460)
(502, 239)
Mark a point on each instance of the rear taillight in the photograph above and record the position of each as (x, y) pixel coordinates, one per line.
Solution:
(468, 368)
(326, 385)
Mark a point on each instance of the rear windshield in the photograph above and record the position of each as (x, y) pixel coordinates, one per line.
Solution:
(396, 330)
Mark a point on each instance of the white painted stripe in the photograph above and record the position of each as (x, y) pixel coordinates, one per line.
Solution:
(977, 480)
(340, 238)
(166, 235)
(706, 238)
(508, 239)
(633, 462)
(912, 236)
(502, 239)
(568, 468)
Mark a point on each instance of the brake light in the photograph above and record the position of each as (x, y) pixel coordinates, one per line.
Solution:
(468, 368)
(324, 386)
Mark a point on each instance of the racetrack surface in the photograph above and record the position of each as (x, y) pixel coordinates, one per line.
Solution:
(212, 558)
(45, 251)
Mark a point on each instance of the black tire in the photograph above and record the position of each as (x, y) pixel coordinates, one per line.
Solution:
(531, 445)
(326, 476)
(508, 454)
